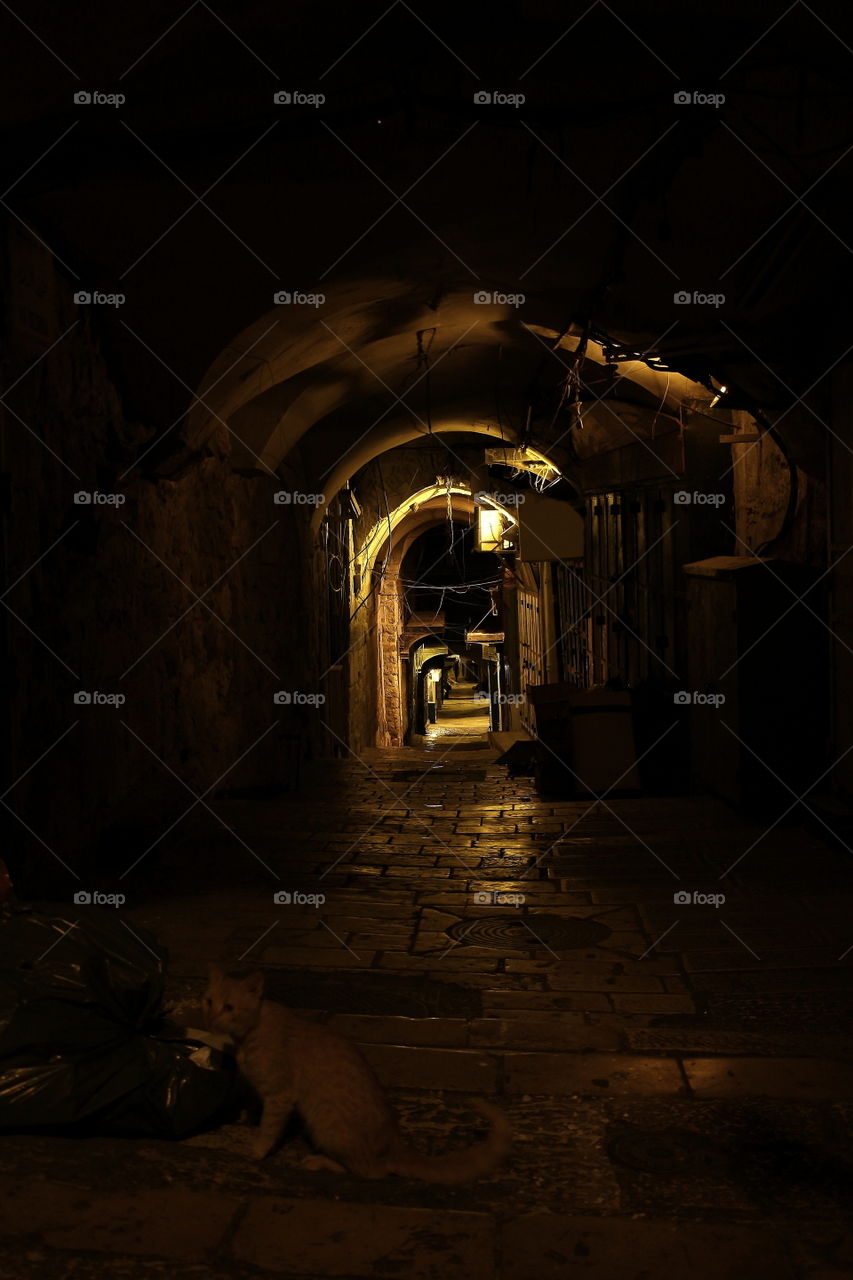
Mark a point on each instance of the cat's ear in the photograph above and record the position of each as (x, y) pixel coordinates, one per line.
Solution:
(254, 983)
(216, 974)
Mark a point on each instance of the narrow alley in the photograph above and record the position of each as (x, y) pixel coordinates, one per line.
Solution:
(426, 543)
(478, 941)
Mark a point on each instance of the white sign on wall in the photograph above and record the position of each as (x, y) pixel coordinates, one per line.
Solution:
(549, 529)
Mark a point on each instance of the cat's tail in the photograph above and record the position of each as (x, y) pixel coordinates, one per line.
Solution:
(458, 1166)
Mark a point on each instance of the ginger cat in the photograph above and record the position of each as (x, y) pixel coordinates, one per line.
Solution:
(294, 1063)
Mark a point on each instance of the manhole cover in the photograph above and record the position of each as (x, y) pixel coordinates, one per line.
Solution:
(668, 1152)
(560, 933)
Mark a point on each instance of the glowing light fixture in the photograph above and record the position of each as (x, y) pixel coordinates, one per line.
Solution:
(720, 390)
(524, 459)
(490, 527)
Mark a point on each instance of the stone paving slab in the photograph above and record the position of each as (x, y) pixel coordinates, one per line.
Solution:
(546, 1033)
(433, 1032)
(296, 957)
(752, 1159)
(318, 937)
(49, 1205)
(452, 961)
(554, 1247)
(360, 908)
(565, 976)
(170, 1222)
(336, 1239)
(541, 1003)
(360, 942)
(659, 1003)
(769, 1077)
(699, 1040)
(591, 1073)
(425, 1068)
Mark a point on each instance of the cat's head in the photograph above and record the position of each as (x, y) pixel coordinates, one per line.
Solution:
(232, 1005)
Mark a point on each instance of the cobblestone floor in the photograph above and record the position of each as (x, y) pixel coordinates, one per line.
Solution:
(462, 718)
(677, 1072)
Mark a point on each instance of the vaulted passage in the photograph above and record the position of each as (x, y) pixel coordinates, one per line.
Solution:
(426, 526)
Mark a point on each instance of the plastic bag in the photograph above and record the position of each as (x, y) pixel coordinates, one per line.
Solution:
(80, 1015)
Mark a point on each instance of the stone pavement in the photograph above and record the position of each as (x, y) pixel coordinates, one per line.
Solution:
(676, 1071)
(462, 718)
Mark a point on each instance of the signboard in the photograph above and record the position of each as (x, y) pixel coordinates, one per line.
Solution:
(548, 529)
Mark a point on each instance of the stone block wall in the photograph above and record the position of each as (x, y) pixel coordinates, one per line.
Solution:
(102, 602)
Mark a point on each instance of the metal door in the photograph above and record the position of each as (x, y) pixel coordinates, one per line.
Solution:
(529, 649)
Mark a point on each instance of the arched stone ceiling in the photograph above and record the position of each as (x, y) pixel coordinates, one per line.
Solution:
(600, 199)
(365, 339)
(375, 368)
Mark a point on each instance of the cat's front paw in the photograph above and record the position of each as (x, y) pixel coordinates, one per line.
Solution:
(260, 1149)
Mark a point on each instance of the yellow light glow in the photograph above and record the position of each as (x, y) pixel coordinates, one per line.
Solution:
(386, 525)
(489, 529)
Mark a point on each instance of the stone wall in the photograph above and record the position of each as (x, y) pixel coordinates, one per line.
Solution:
(762, 485)
(103, 603)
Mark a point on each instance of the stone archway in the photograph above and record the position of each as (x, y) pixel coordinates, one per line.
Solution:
(395, 631)
(315, 398)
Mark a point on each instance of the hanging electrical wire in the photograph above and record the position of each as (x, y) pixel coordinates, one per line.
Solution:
(570, 390)
(333, 559)
(456, 586)
(454, 538)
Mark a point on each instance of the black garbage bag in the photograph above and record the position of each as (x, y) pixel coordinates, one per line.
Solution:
(83, 1036)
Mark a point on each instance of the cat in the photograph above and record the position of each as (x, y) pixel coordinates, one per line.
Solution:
(293, 1063)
